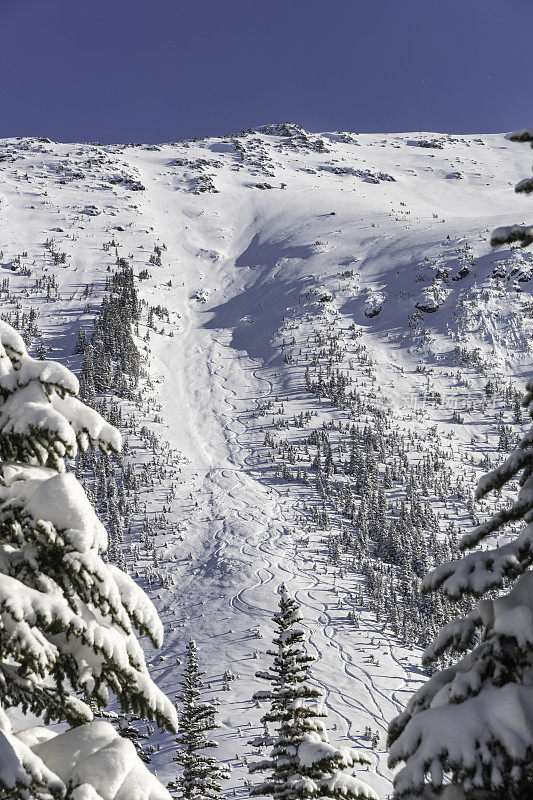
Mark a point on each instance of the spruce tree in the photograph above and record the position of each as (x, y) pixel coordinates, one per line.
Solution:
(201, 773)
(471, 725)
(302, 763)
(67, 618)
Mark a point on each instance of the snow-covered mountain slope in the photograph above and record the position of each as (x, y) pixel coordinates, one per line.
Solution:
(301, 283)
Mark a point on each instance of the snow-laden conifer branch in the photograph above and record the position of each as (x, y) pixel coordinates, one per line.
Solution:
(458, 635)
(518, 510)
(478, 572)
(508, 234)
(67, 617)
(41, 420)
(494, 480)
(523, 135)
(91, 762)
(483, 742)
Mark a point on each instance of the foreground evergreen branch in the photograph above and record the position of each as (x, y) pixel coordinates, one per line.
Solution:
(67, 618)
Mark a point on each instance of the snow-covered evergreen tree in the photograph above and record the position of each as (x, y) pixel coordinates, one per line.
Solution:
(67, 617)
(302, 763)
(517, 233)
(201, 773)
(471, 725)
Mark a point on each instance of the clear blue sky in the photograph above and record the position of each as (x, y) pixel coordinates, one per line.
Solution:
(159, 70)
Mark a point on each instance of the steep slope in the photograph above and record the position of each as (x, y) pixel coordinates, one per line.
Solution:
(284, 260)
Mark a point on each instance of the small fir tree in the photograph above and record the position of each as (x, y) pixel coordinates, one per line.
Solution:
(302, 763)
(201, 774)
(471, 725)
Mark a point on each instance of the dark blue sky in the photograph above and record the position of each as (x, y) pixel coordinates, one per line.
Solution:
(158, 70)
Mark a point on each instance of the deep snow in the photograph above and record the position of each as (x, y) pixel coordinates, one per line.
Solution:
(244, 267)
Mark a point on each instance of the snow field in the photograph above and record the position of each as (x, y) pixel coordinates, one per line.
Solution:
(249, 267)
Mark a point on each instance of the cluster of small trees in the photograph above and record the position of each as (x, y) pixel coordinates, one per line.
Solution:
(111, 360)
(111, 371)
(379, 484)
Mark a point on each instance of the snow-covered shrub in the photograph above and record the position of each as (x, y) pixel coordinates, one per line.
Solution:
(67, 617)
(517, 233)
(507, 234)
(471, 725)
(523, 135)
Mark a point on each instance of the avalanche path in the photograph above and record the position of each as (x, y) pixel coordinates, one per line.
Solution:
(243, 534)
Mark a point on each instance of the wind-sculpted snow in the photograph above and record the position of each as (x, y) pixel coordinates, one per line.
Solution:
(327, 354)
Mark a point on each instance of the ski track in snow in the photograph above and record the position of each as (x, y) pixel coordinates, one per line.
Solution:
(263, 514)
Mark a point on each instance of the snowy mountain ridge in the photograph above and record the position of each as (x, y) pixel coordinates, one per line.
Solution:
(298, 292)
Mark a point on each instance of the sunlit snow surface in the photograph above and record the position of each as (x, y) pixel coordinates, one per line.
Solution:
(247, 264)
